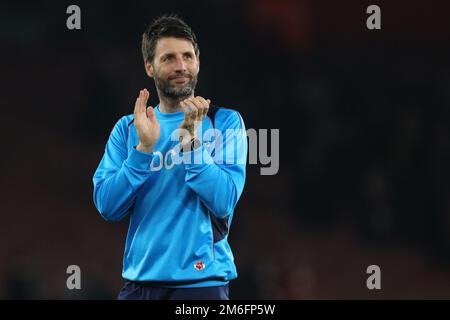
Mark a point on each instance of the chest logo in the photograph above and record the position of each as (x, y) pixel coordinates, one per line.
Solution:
(199, 266)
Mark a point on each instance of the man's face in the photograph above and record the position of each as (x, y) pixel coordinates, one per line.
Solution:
(175, 68)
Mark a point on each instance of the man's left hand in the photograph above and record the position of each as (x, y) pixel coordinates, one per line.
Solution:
(195, 110)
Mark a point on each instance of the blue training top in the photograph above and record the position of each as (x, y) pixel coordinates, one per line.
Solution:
(180, 204)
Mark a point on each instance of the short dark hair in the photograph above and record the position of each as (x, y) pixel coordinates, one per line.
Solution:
(163, 27)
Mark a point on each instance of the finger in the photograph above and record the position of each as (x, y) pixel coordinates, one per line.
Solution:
(196, 102)
(140, 116)
(201, 108)
(144, 102)
(141, 100)
(151, 114)
(144, 97)
(185, 107)
(137, 105)
(190, 104)
(205, 104)
(193, 107)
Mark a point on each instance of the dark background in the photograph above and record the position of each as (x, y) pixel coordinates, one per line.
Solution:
(364, 127)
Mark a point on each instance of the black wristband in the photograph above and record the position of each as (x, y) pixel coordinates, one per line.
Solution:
(193, 144)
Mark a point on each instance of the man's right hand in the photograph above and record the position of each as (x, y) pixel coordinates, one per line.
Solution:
(147, 127)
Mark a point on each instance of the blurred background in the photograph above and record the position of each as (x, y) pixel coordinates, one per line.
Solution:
(364, 119)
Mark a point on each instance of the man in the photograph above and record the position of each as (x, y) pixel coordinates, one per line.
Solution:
(177, 170)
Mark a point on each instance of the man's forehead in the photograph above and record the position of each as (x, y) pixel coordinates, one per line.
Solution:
(173, 45)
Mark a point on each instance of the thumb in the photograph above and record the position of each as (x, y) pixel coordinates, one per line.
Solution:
(151, 114)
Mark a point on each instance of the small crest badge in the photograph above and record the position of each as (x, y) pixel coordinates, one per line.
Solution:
(199, 266)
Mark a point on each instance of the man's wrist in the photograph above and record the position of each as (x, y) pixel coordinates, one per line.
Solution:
(146, 149)
(185, 139)
(191, 144)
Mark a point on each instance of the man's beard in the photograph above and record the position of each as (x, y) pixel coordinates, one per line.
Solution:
(174, 92)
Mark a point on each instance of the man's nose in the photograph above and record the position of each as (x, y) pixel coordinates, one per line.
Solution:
(180, 64)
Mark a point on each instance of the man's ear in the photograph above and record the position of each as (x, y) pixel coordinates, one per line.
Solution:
(148, 68)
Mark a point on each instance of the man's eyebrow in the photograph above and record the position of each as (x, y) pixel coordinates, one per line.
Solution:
(168, 54)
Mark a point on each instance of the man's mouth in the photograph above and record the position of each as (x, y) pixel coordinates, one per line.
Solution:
(180, 78)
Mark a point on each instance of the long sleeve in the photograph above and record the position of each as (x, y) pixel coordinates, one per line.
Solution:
(219, 180)
(119, 175)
